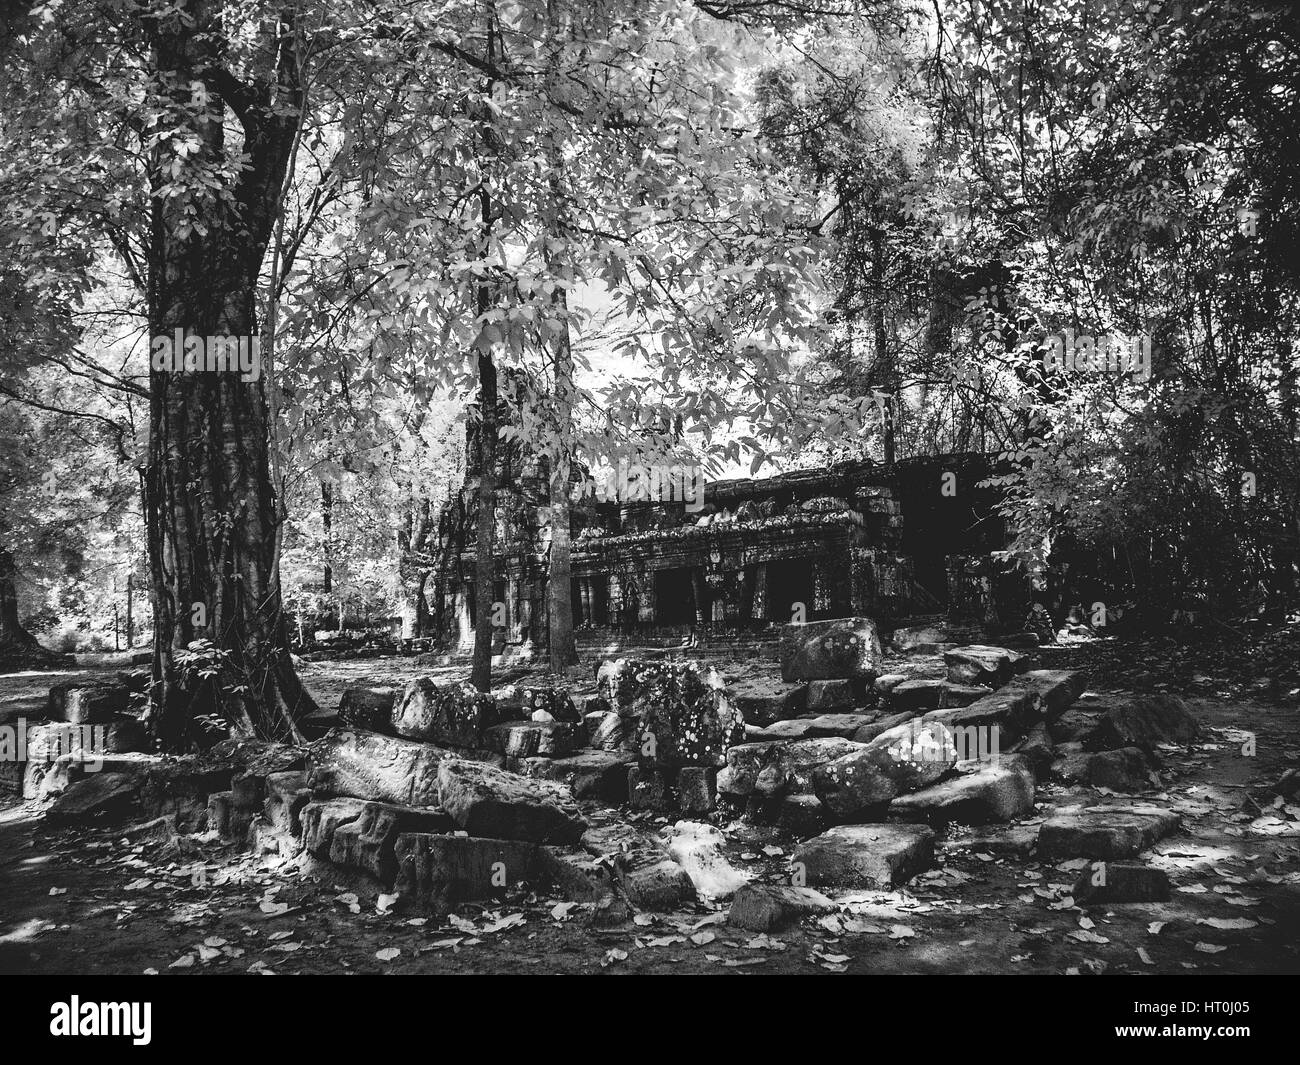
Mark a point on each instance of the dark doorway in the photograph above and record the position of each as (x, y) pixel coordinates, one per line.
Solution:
(789, 581)
(674, 597)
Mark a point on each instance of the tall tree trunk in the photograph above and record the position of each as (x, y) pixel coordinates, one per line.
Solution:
(211, 506)
(884, 357)
(561, 647)
(12, 633)
(484, 562)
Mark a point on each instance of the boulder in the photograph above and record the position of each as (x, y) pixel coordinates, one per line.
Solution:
(824, 695)
(588, 774)
(367, 765)
(1104, 832)
(990, 792)
(606, 730)
(95, 796)
(367, 708)
(1145, 721)
(854, 787)
(1123, 769)
(490, 802)
(846, 648)
(697, 789)
(982, 664)
(681, 712)
(457, 715)
(770, 907)
(866, 856)
(803, 815)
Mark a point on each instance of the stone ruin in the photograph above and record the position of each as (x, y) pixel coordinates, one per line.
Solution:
(444, 795)
(852, 539)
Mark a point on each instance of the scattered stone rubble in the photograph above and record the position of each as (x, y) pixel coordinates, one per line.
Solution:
(446, 795)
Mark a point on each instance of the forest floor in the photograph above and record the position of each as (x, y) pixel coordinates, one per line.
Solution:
(99, 901)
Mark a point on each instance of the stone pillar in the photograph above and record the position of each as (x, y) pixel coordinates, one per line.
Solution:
(758, 607)
(703, 597)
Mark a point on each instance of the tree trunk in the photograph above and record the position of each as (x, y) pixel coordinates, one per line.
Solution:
(884, 358)
(210, 503)
(12, 633)
(561, 648)
(484, 562)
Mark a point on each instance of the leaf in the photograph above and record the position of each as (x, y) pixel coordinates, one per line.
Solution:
(388, 953)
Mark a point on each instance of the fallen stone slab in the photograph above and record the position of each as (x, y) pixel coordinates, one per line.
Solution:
(1145, 721)
(798, 728)
(698, 849)
(991, 792)
(916, 696)
(769, 907)
(606, 731)
(98, 796)
(438, 873)
(1107, 883)
(880, 726)
(846, 648)
(983, 664)
(1104, 832)
(1027, 700)
(954, 695)
(825, 695)
(526, 739)
(872, 856)
(367, 765)
(764, 701)
(842, 725)
(367, 708)
(588, 774)
(489, 802)
(456, 715)
(1036, 748)
(854, 787)
(789, 765)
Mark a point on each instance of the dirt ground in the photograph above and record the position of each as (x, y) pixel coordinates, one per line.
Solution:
(106, 902)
